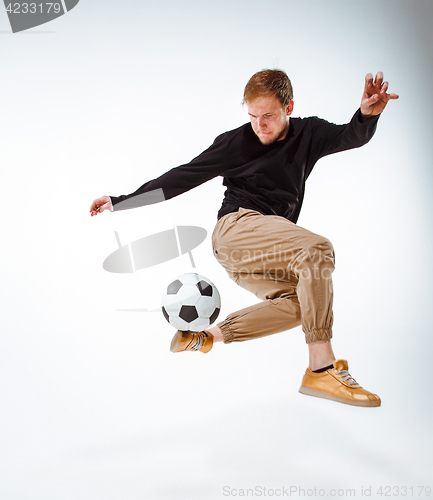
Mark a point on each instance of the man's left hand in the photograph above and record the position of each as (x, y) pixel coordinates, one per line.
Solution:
(374, 99)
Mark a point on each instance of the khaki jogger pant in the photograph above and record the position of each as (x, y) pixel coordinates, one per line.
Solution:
(286, 266)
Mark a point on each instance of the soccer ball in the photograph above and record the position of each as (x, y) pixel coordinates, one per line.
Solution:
(191, 302)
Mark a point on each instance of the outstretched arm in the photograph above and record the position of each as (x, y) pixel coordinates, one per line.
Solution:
(374, 99)
(209, 164)
(101, 204)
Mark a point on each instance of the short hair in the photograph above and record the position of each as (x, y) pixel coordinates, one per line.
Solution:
(269, 82)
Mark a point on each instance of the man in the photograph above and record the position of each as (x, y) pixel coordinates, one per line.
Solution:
(265, 164)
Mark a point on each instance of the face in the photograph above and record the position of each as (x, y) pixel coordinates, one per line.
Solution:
(270, 121)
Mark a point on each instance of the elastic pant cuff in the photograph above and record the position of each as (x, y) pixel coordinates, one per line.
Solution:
(227, 332)
(318, 334)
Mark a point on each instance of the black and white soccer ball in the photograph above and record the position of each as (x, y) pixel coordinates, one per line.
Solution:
(191, 302)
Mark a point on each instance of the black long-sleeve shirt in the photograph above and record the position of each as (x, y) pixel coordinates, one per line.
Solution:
(267, 178)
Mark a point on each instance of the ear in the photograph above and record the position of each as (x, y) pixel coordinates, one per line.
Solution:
(290, 108)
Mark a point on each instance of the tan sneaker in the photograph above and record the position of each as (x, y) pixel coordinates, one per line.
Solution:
(338, 385)
(191, 341)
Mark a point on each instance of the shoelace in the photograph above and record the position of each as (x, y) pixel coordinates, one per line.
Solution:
(196, 342)
(346, 376)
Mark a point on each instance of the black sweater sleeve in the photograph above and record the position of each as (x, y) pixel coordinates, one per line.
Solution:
(329, 138)
(206, 166)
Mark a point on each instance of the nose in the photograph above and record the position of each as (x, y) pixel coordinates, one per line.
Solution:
(261, 123)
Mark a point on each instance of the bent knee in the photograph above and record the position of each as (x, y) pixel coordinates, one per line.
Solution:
(320, 249)
(318, 253)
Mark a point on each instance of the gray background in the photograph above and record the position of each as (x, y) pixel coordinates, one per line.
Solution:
(112, 94)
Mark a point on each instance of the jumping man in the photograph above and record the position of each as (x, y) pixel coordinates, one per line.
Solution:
(264, 165)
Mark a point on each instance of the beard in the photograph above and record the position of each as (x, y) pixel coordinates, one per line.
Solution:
(274, 138)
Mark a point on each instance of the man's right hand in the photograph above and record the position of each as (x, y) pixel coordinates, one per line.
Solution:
(101, 204)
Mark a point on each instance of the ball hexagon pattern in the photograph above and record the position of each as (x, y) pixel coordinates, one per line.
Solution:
(191, 302)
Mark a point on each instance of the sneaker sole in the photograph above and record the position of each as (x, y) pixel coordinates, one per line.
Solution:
(324, 395)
